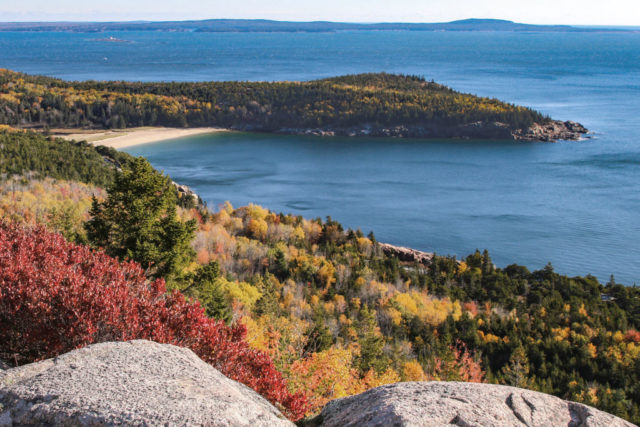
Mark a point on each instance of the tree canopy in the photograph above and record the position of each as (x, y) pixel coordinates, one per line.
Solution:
(368, 103)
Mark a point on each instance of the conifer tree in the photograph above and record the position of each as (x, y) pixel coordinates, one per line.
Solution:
(268, 302)
(206, 289)
(371, 343)
(487, 263)
(319, 337)
(138, 221)
(516, 372)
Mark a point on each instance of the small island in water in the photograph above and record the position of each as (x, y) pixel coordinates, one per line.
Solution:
(373, 104)
(112, 39)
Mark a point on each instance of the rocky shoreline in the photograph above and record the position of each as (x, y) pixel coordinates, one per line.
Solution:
(407, 254)
(552, 131)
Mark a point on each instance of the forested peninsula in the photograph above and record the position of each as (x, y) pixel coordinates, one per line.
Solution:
(375, 104)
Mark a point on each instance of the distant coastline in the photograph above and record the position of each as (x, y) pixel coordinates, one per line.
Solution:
(269, 26)
(122, 138)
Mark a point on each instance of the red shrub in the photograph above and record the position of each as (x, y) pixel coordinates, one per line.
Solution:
(56, 296)
(632, 336)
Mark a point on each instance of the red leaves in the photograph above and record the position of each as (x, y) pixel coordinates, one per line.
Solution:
(469, 369)
(632, 336)
(56, 296)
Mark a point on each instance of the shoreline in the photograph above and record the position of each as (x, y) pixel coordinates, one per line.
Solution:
(128, 137)
(123, 138)
(551, 131)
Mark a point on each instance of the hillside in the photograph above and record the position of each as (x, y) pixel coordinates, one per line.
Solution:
(356, 105)
(337, 314)
(40, 157)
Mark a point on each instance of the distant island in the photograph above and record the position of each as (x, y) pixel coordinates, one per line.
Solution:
(374, 104)
(262, 25)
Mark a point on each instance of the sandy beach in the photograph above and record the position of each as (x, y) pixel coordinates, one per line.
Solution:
(121, 138)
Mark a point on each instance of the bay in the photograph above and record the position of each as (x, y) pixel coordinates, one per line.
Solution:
(575, 204)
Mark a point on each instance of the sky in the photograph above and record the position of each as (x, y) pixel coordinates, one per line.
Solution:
(573, 12)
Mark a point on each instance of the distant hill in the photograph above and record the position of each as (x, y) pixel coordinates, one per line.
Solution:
(262, 25)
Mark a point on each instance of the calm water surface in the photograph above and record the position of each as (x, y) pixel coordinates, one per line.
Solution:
(575, 204)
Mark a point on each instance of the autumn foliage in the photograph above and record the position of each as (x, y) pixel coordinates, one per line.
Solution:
(336, 315)
(56, 296)
(340, 102)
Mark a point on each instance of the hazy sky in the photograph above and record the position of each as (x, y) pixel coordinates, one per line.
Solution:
(591, 12)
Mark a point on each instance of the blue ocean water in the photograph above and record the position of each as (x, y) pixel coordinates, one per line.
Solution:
(575, 204)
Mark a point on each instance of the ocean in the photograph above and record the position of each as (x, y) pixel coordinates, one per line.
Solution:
(574, 204)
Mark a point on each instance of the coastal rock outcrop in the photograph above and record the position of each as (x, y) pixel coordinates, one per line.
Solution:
(459, 404)
(552, 131)
(407, 254)
(186, 194)
(129, 383)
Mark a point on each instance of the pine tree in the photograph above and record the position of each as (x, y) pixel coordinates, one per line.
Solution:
(138, 221)
(279, 264)
(487, 264)
(268, 302)
(205, 288)
(371, 343)
(319, 337)
(516, 372)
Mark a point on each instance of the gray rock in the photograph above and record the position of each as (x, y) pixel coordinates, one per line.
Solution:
(460, 404)
(551, 131)
(407, 254)
(3, 366)
(129, 383)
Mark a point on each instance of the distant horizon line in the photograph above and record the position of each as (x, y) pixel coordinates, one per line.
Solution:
(320, 21)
